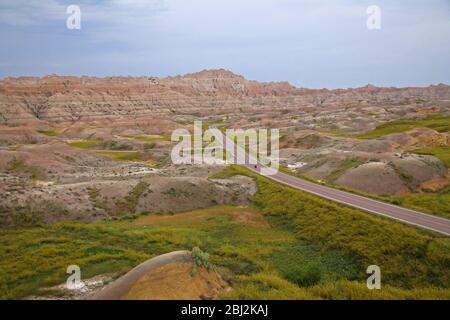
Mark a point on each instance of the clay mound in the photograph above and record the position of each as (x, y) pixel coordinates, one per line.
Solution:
(305, 139)
(168, 276)
(416, 170)
(109, 128)
(93, 200)
(82, 132)
(400, 140)
(398, 176)
(367, 178)
(174, 281)
(21, 135)
(419, 137)
(375, 146)
(54, 156)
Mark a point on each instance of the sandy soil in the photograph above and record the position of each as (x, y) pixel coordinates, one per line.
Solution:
(175, 282)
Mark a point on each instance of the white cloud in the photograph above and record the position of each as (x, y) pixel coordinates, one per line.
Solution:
(23, 13)
(269, 39)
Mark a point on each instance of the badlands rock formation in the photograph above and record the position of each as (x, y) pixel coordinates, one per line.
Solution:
(88, 148)
(60, 98)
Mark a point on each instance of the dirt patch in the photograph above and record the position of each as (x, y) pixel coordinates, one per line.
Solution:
(85, 288)
(175, 281)
(435, 184)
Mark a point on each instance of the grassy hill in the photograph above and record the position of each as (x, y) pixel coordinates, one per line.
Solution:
(440, 123)
(289, 244)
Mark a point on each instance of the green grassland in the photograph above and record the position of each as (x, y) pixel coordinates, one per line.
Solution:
(150, 138)
(440, 123)
(100, 145)
(111, 149)
(299, 247)
(51, 132)
(14, 147)
(122, 155)
(436, 203)
(400, 250)
(84, 144)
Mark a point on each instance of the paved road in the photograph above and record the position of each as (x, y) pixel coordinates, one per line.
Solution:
(416, 218)
(412, 217)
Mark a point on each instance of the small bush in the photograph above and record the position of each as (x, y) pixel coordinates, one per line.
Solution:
(201, 259)
(305, 275)
(149, 146)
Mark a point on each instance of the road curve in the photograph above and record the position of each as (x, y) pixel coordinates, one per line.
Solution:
(416, 218)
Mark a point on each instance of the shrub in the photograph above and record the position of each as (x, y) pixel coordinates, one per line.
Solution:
(201, 259)
(149, 146)
(305, 275)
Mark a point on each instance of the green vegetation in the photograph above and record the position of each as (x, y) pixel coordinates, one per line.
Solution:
(201, 259)
(125, 207)
(346, 164)
(267, 286)
(100, 145)
(305, 247)
(129, 203)
(122, 155)
(112, 149)
(429, 202)
(14, 147)
(334, 132)
(50, 132)
(94, 197)
(307, 265)
(440, 123)
(442, 153)
(85, 144)
(399, 249)
(149, 146)
(435, 203)
(38, 257)
(115, 146)
(19, 167)
(151, 138)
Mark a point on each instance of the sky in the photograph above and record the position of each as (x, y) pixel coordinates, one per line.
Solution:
(310, 43)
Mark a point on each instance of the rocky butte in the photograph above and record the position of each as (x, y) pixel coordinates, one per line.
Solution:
(66, 98)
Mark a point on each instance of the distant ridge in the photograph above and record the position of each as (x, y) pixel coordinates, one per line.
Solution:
(68, 98)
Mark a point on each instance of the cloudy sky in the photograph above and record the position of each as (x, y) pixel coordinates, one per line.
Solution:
(310, 43)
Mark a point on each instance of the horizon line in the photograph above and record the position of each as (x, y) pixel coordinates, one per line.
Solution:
(367, 85)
